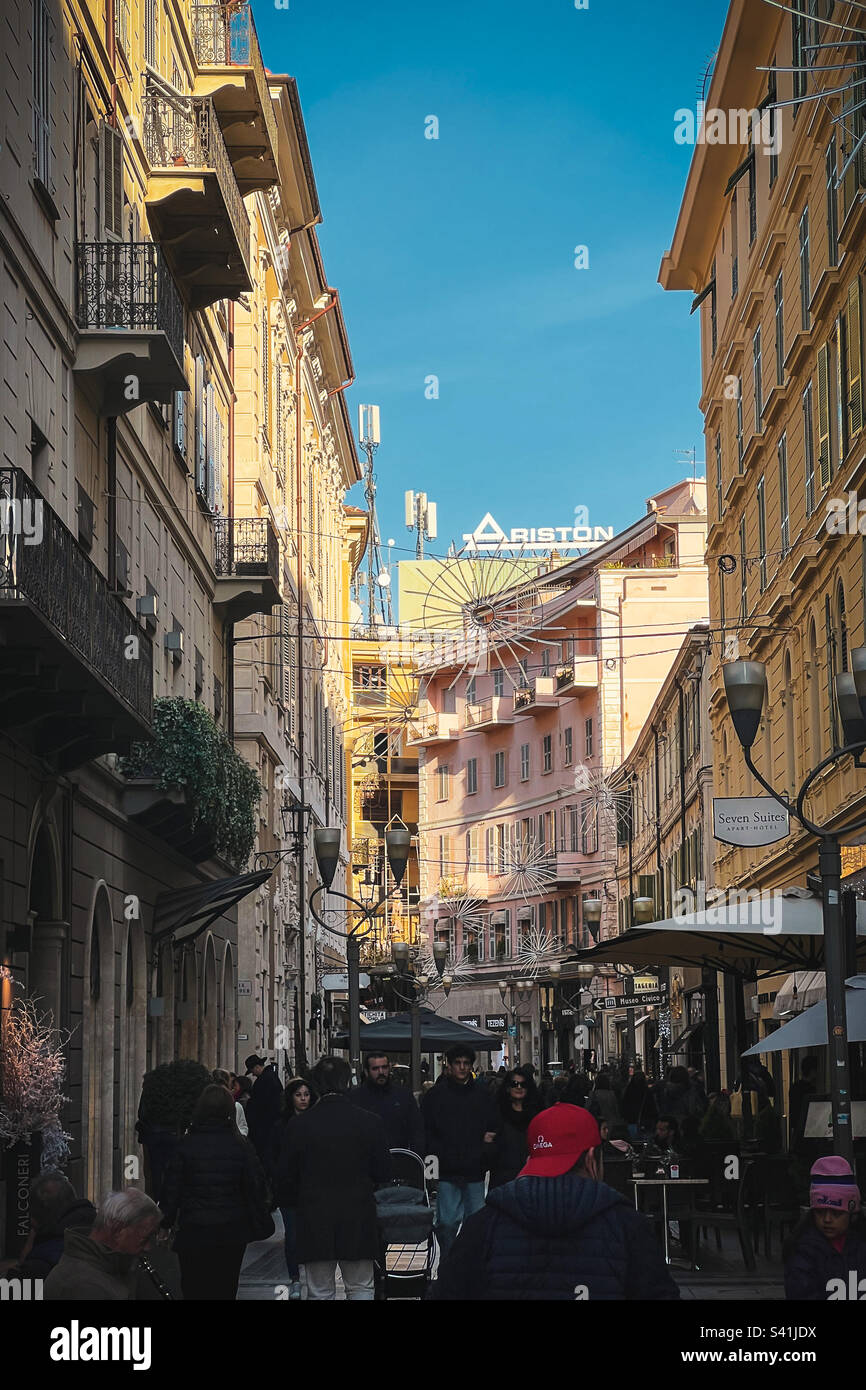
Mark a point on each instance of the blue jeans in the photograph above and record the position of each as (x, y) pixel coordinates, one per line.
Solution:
(456, 1201)
(288, 1215)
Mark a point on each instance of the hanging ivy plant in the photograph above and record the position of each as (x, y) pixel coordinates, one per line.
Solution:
(191, 752)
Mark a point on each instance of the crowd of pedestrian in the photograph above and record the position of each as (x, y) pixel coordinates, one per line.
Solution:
(523, 1208)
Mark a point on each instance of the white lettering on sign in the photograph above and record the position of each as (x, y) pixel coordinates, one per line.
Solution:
(489, 536)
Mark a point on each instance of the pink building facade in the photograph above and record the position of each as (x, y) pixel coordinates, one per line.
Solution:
(519, 737)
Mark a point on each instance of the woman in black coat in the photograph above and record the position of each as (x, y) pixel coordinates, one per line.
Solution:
(215, 1193)
(519, 1102)
(298, 1097)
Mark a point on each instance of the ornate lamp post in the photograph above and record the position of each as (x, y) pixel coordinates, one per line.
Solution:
(327, 846)
(520, 992)
(417, 987)
(746, 691)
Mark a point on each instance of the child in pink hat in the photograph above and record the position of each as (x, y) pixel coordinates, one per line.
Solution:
(825, 1258)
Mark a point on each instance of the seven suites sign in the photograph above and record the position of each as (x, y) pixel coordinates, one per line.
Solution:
(749, 820)
(489, 537)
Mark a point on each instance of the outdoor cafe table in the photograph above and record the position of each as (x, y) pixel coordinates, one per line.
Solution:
(664, 1184)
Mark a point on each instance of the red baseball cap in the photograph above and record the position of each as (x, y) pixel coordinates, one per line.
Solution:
(557, 1137)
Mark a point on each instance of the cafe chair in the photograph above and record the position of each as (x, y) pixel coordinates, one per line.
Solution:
(742, 1210)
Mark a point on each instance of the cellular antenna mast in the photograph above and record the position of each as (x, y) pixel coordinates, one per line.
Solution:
(420, 518)
(370, 437)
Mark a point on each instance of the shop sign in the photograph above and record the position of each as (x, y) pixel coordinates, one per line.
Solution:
(471, 1020)
(749, 820)
(495, 1023)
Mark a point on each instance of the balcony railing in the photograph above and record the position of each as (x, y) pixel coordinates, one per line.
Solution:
(226, 37)
(128, 285)
(185, 132)
(524, 696)
(56, 577)
(479, 713)
(246, 546)
(564, 675)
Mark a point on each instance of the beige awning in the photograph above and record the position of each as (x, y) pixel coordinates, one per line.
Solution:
(800, 991)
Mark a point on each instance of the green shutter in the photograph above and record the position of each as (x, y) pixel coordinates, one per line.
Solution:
(855, 356)
(824, 414)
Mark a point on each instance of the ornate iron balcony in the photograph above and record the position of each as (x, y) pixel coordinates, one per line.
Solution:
(246, 546)
(186, 132)
(41, 564)
(226, 37)
(128, 285)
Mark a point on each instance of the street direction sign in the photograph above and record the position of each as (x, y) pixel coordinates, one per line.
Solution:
(332, 983)
(647, 999)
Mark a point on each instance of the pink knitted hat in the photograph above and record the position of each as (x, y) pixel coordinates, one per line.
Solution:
(832, 1184)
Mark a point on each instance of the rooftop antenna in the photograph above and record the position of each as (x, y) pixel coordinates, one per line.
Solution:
(420, 518)
(690, 455)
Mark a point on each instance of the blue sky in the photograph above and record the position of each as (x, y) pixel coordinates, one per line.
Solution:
(454, 257)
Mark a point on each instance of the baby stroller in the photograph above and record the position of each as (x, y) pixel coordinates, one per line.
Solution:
(408, 1246)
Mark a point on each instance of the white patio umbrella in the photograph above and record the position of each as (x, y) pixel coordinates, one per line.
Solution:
(809, 1029)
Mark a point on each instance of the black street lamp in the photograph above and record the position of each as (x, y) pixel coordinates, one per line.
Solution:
(416, 988)
(746, 690)
(521, 993)
(327, 846)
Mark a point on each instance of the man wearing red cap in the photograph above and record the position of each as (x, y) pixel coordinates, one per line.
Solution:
(556, 1231)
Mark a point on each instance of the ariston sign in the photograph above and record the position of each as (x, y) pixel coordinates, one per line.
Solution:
(489, 537)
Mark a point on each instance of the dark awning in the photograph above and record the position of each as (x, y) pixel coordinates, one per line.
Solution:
(685, 1037)
(186, 914)
(437, 1034)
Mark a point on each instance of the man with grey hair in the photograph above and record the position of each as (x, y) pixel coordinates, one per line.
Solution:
(101, 1264)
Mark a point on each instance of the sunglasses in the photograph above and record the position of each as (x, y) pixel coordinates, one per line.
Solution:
(518, 1085)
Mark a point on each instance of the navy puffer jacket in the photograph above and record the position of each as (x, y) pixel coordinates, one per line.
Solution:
(214, 1189)
(812, 1262)
(555, 1238)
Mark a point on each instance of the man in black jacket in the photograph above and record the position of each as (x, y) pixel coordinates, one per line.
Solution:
(395, 1105)
(263, 1106)
(557, 1232)
(459, 1118)
(334, 1156)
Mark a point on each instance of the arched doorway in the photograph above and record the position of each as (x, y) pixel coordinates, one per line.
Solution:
(228, 1043)
(133, 1043)
(98, 1048)
(210, 1007)
(46, 974)
(187, 1005)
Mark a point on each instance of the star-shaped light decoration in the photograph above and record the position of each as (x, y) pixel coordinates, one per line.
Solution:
(529, 868)
(536, 948)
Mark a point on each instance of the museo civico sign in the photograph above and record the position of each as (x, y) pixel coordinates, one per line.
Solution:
(489, 537)
(749, 820)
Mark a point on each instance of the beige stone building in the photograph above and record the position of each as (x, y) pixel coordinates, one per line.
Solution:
(175, 445)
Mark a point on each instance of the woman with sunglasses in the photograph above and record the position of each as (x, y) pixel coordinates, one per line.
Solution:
(519, 1102)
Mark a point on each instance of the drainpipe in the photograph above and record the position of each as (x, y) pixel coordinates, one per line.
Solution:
(229, 627)
(302, 739)
(664, 974)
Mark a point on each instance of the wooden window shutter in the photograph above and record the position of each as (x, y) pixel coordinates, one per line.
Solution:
(824, 414)
(111, 153)
(855, 357)
(200, 427)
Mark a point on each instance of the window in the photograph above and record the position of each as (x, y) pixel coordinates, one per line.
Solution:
(370, 684)
(42, 92)
(832, 205)
(499, 768)
(588, 827)
(470, 691)
(720, 506)
(569, 750)
(498, 682)
(501, 850)
(757, 370)
(784, 516)
(744, 580)
(762, 532)
(472, 777)
(547, 753)
(574, 829)
(854, 384)
(735, 267)
(587, 737)
(266, 374)
(809, 449)
(798, 55)
(489, 851)
(443, 783)
(838, 388)
(753, 194)
(111, 181)
(805, 281)
(444, 856)
(524, 762)
(740, 445)
(779, 304)
(824, 460)
(200, 426)
(714, 318)
(86, 518)
(180, 424)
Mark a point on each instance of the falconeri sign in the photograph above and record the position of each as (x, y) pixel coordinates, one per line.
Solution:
(489, 537)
